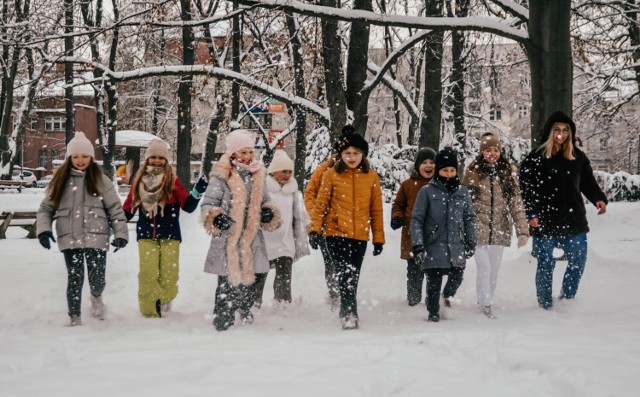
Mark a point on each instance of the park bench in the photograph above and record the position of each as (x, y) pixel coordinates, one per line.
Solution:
(11, 185)
(23, 219)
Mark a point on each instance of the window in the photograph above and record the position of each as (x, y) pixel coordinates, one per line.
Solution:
(55, 123)
(495, 112)
(55, 154)
(494, 80)
(42, 158)
(34, 124)
(263, 118)
(523, 111)
(604, 144)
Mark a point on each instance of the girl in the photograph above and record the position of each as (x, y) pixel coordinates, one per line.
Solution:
(554, 177)
(289, 243)
(443, 232)
(159, 195)
(86, 207)
(401, 210)
(349, 207)
(498, 206)
(234, 207)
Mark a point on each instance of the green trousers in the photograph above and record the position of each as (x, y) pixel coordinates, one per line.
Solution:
(158, 277)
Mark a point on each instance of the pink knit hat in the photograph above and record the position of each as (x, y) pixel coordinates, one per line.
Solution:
(239, 139)
(79, 144)
(158, 148)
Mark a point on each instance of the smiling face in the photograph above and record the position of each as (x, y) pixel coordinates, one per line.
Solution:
(448, 172)
(244, 155)
(427, 168)
(80, 162)
(491, 154)
(352, 157)
(156, 161)
(282, 177)
(560, 133)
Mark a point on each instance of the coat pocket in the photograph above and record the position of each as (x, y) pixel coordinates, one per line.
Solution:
(95, 220)
(63, 221)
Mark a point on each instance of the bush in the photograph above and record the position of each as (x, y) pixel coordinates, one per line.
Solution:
(619, 186)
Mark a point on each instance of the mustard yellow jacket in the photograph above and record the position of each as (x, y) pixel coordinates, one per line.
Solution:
(349, 205)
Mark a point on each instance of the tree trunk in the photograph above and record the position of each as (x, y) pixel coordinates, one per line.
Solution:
(358, 57)
(235, 65)
(458, 69)
(68, 70)
(549, 52)
(184, 99)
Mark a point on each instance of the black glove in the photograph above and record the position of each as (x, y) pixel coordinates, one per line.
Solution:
(469, 250)
(44, 239)
(200, 187)
(223, 222)
(266, 215)
(396, 223)
(377, 249)
(314, 240)
(119, 243)
(419, 254)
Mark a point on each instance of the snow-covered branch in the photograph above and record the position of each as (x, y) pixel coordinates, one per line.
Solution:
(513, 8)
(398, 89)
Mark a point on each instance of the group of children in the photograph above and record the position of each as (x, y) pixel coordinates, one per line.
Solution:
(258, 221)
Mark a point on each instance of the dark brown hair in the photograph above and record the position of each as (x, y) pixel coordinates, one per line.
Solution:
(92, 181)
(342, 167)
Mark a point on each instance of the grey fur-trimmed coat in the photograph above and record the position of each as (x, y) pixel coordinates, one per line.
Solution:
(83, 220)
(238, 252)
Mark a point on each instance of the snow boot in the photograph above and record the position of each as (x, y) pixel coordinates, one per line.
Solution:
(350, 322)
(433, 318)
(165, 307)
(97, 307)
(246, 316)
(75, 320)
(486, 310)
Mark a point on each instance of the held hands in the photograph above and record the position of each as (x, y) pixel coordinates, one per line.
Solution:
(534, 222)
(522, 240)
(377, 249)
(44, 238)
(119, 243)
(223, 222)
(419, 254)
(396, 223)
(469, 250)
(266, 215)
(314, 240)
(200, 187)
(602, 207)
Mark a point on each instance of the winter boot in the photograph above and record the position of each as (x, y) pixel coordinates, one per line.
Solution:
(434, 318)
(447, 303)
(350, 322)
(75, 320)
(486, 310)
(221, 323)
(97, 307)
(246, 316)
(165, 307)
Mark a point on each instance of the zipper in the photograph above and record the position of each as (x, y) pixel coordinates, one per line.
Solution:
(491, 210)
(353, 202)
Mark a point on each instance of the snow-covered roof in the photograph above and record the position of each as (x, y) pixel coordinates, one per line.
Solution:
(133, 138)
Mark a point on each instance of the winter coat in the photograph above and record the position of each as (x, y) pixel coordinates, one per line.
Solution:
(403, 208)
(313, 186)
(496, 210)
(349, 204)
(552, 191)
(444, 224)
(238, 252)
(167, 226)
(84, 220)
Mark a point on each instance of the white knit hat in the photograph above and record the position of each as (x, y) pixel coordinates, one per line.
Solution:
(280, 162)
(239, 139)
(79, 144)
(158, 148)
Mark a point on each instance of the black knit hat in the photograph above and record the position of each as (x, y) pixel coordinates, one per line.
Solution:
(352, 139)
(426, 153)
(446, 158)
(557, 117)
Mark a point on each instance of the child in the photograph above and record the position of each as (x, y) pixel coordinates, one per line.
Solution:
(289, 243)
(234, 207)
(498, 207)
(86, 207)
(159, 195)
(401, 210)
(443, 231)
(349, 207)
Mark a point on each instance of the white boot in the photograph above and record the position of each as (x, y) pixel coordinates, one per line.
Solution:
(97, 307)
(165, 307)
(75, 320)
(486, 310)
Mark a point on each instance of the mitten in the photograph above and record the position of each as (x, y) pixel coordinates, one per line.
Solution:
(419, 254)
(469, 250)
(200, 187)
(314, 240)
(266, 215)
(119, 243)
(522, 240)
(396, 223)
(44, 238)
(377, 249)
(222, 222)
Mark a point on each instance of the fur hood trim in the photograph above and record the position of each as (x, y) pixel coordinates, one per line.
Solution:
(274, 187)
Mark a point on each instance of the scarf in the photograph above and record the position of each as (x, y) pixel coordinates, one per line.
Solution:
(150, 189)
(252, 167)
(450, 184)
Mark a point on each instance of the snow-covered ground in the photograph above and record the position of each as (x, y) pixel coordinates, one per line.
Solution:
(587, 347)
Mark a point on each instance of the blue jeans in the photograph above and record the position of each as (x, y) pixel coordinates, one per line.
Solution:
(575, 249)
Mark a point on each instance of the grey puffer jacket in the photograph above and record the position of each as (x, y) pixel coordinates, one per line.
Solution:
(240, 251)
(444, 224)
(83, 220)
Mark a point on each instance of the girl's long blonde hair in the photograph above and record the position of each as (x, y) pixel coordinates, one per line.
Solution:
(567, 146)
(165, 190)
(92, 181)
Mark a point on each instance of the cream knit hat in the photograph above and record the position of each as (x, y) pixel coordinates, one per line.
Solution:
(79, 144)
(158, 148)
(239, 139)
(280, 162)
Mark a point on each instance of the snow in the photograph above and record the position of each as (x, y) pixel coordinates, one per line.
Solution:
(134, 138)
(587, 347)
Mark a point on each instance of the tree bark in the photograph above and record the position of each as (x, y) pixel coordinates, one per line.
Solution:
(458, 68)
(358, 56)
(68, 71)
(184, 99)
(333, 73)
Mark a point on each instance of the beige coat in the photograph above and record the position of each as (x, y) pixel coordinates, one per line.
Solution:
(496, 211)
